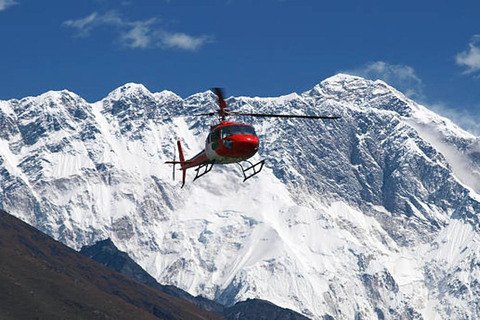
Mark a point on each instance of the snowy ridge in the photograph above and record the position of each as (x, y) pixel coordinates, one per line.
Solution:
(372, 215)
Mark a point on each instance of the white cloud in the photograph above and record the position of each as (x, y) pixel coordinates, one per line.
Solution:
(183, 41)
(470, 58)
(5, 4)
(137, 34)
(83, 25)
(402, 77)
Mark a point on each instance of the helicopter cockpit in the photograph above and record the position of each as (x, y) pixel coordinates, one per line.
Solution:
(221, 133)
(233, 130)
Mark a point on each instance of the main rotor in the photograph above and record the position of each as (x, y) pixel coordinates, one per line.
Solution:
(223, 111)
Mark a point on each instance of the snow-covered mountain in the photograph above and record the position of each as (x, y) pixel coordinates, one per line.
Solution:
(372, 215)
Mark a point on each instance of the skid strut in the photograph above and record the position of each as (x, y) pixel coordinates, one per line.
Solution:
(203, 169)
(252, 170)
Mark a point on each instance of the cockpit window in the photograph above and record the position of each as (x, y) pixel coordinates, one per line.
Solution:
(236, 129)
(214, 135)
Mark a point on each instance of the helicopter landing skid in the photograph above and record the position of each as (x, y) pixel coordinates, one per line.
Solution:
(203, 169)
(252, 170)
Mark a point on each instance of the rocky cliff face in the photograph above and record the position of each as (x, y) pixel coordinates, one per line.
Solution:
(371, 215)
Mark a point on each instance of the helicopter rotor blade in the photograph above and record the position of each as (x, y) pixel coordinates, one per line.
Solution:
(221, 103)
(268, 115)
(223, 112)
(204, 114)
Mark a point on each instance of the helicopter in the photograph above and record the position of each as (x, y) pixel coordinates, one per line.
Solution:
(229, 142)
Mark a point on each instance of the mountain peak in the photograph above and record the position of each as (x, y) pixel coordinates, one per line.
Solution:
(359, 93)
(342, 81)
(342, 77)
(167, 96)
(338, 85)
(52, 98)
(129, 89)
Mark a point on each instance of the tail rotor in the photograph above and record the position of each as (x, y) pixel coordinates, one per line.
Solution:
(182, 162)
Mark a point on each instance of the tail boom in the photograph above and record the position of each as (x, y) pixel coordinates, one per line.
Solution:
(199, 159)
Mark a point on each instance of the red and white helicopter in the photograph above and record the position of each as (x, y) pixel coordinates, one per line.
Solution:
(229, 142)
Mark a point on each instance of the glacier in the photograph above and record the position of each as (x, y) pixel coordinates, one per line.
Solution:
(374, 215)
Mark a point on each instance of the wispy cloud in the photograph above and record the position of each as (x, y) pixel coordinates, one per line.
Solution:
(84, 25)
(470, 58)
(137, 34)
(5, 4)
(402, 77)
(184, 41)
(140, 34)
(468, 119)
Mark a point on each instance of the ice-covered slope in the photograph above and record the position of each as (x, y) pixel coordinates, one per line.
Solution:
(372, 215)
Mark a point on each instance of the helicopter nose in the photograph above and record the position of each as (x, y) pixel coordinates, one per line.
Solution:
(250, 143)
(245, 145)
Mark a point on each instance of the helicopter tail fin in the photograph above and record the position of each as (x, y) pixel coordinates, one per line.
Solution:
(182, 162)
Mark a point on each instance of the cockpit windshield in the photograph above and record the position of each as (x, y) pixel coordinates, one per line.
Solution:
(237, 129)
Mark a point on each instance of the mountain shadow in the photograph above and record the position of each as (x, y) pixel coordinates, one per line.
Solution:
(41, 278)
(108, 254)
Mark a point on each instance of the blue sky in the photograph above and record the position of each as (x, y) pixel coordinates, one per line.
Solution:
(427, 49)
